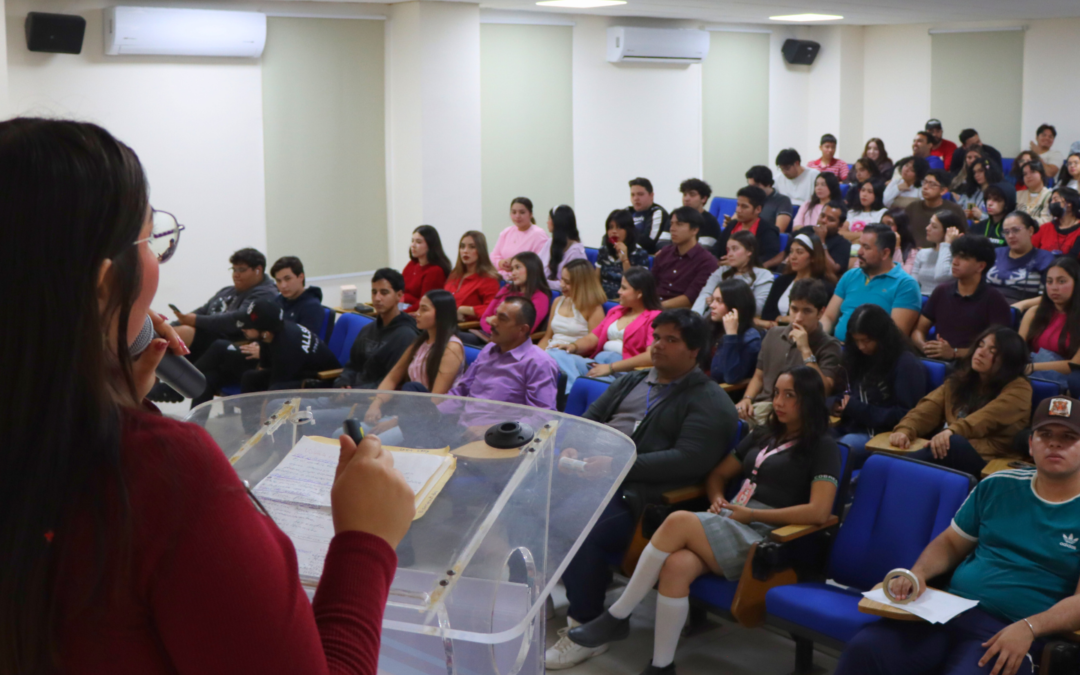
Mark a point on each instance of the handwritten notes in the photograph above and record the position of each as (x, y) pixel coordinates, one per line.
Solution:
(933, 605)
(305, 476)
(311, 528)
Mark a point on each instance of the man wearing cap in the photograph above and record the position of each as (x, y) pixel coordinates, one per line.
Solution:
(940, 147)
(1013, 546)
(288, 352)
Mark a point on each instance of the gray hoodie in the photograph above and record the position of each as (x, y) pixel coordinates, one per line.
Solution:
(220, 314)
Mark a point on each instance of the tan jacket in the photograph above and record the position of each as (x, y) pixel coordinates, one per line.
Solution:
(990, 429)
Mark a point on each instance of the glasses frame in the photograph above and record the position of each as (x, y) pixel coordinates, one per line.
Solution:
(169, 252)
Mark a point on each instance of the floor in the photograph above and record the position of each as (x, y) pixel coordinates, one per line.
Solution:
(724, 648)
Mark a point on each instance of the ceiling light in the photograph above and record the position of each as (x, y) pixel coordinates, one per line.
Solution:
(806, 17)
(581, 4)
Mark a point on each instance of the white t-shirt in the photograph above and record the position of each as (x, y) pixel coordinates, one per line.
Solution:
(614, 342)
(798, 190)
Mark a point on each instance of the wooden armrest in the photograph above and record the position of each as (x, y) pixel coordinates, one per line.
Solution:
(748, 605)
(684, 494)
(881, 443)
(834, 420)
(1004, 464)
(468, 325)
(792, 532)
(330, 374)
(738, 386)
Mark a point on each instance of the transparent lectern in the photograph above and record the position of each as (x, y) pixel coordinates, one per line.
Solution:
(476, 568)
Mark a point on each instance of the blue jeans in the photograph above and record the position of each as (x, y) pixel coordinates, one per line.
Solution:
(1071, 381)
(857, 444)
(577, 366)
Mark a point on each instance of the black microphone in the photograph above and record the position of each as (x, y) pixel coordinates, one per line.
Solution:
(175, 371)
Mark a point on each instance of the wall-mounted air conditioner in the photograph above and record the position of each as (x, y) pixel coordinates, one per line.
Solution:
(183, 32)
(656, 45)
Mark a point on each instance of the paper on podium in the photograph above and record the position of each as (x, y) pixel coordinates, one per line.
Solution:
(933, 605)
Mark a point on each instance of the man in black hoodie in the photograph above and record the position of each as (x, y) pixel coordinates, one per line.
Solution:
(380, 344)
(289, 352)
(652, 222)
(302, 303)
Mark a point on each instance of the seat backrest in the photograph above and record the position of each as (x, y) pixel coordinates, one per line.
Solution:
(722, 206)
(936, 371)
(346, 329)
(1007, 164)
(582, 394)
(1041, 389)
(610, 305)
(783, 241)
(555, 294)
(650, 262)
(935, 162)
(327, 327)
(592, 254)
(900, 505)
(470, 354)
(844, 187)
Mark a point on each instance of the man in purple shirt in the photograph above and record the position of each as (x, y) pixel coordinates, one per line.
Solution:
(682, 269)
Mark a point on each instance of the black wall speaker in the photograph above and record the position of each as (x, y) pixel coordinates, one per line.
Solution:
(54, 33)
(800, 52)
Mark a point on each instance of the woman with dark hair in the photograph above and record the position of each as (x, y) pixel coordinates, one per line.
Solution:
(736, 343)
(1035, 196)
(906, 248)
(1019, 270)
(806, 260)
(1070, 172)
(621, 342)
(473, 281)
(564, 245)
(1062, 234)
(1052, 327)
(619, 251)
(875, 151)
(983, 405)
(113, 515)
(901, 192)
(789, 470)
(971, 196)
(1016, 174)
(864, 207)
(863, 170)
(962, 175)
(826, 189)
(885, 379)
(527, 280)
(428, 266)
(522, 235)
(933, 265)
(999, 200)
(741, 262)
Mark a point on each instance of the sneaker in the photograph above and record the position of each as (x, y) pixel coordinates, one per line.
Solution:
(566, 653)
(601, 630)
(654, 670)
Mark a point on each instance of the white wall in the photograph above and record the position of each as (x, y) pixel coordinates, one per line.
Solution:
(4, 103)
(1050, 91)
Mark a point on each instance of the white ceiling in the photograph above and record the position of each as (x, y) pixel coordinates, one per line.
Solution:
(858, 12)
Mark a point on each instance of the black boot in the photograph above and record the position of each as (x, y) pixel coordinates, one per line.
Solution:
(600, 631)
(654, 670)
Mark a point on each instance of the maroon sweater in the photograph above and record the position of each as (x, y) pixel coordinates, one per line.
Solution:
(213, 584)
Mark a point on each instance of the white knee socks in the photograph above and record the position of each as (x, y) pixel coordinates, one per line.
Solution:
(645, 575)
(670, 616)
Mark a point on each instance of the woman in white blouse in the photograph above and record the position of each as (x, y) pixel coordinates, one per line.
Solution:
(909, 187)
(741, 262)
(865, 206)
(1035, 197)
(579, 309)
(933, 265)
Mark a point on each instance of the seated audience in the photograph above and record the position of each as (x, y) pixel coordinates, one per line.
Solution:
(828, 161)
(777, 209)
(579, 309)
(828, 230)
(803, 342)
(526, 280)
(523, 235)
(1041, 146)
(288, 352)
(381, 343)
(749, 203)
(1000, 201)
(735, 341)
(621, 342)
(1002, 540)
(962, 309)
(741, 262)
(982, 405)
(682, 268)
(563, 247)
(969, 140)
(428, 266)
(474, 280)
(695, 194)
(885, 380)
(619, 251)
(1071, 176)
(302, 303)
(905, 187)
(939, 146)
(877, 280)
(1035, 196)
(1016, 174)
(807, 260)
(961, 174)
(826, 189)
(921, 211)
(795, 181)
(875, 151)
(971, 196)
(933, 265)
(906, 250)
(863, 170)
(1061, 236)
(1019, 270)
(1052, 327)
(864, 207)
(790, 471)
(650, 219)
(681, 423)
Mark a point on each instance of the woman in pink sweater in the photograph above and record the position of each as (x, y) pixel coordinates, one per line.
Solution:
(523, 235)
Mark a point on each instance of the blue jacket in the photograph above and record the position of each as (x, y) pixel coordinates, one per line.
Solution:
(736, 358)
(305, 310)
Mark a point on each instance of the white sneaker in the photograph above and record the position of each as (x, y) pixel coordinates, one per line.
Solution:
(566, 653)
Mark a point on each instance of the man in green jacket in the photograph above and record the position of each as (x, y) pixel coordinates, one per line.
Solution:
(682, 424)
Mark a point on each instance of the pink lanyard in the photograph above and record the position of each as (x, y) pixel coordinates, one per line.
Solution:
(762, 456)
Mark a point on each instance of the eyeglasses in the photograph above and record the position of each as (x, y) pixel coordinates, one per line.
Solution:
(165, 235)
(239, 270)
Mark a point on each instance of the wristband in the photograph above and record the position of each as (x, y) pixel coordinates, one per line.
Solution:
(901, 572)
(1034, 635)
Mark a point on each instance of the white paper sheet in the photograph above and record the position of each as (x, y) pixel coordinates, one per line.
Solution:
(310, 528)
(305, 476)
(933, 605)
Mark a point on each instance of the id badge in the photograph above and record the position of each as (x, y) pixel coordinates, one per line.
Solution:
(636, 425)
(745, 493)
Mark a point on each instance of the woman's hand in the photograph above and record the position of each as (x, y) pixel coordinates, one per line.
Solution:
(601, 370)
(939, 348)
(899, 439)
(939, 444)
(144, 366)
(568, 347)
(1011, 645)
(745, 408)
(369, 494)
(384, 426)
(251, 350)
(731, 322)
(951, 235)
(901, 587)
(373, 414)
(504, 264)
(620, 249)
(740, 514)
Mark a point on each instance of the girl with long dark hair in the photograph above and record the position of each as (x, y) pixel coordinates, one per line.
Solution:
(971, 196)
(875, 151)
(1062, 234)
(521, 236)
(826, 189)
(982, 405)
(1051, 328)
(473, 281)
(885, 379)
(1035, 197)
(527, 280)
(864, 169)
(806, 260)
(428, 266)
(564, 246)
(126, 537)
(736, 343)
(789, 470)
(619, 251)
(933, 264)
(906, 248)
(901, 192)
(864, 207)
(741, 262)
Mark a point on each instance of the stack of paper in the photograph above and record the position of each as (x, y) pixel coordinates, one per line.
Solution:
(933, 605)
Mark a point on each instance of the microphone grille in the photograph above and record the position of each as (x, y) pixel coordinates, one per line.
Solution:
(145, 337)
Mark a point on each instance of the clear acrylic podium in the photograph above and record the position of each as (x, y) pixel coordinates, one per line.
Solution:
(474, 572)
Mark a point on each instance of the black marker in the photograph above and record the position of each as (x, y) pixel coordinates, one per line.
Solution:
(354, 430)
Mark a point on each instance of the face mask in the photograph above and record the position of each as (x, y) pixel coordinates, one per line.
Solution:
(1057, 210)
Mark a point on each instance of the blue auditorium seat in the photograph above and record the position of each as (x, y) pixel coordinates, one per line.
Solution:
(936, 371)
(327, 327)
(1007, 164)
(783, 241)
(610, 305)
(582, 394)
(1041, 389)
(722, 206)
(935, 162)
(470, 354)
(592, 254)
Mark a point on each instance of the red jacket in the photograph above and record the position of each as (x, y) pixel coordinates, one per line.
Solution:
(419, 280)
(473, 291)
(213, 587)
